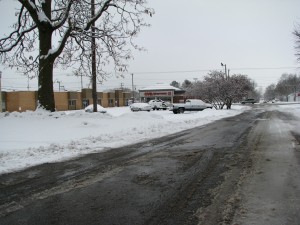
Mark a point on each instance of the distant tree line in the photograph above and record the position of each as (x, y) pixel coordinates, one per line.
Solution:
(219, 89)
(185, 84)
(287, 84)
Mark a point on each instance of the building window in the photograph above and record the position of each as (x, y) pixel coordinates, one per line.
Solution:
(99, 101)
(3, 106)
(85, 103)
(72, 104)
(111, 102)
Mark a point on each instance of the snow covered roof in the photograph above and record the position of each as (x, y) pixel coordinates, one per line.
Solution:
(160, 86)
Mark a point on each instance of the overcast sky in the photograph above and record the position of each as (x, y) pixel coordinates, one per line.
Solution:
(187, 39)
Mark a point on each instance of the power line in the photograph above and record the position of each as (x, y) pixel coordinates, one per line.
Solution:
(138, 79)
(60, 73)
(207, 70)
(266, 68)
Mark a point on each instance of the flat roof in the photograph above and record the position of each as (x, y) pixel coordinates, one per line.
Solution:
(160, 86)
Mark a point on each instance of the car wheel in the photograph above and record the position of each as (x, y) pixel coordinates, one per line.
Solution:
(175, 111)
(181, 110)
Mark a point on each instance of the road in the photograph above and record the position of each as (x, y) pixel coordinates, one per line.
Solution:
(239, 170)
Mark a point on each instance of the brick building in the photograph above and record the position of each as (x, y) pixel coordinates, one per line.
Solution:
(164, 92)
(27, 100)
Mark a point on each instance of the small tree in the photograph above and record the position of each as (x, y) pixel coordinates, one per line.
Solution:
(175, 84)
(54, 32)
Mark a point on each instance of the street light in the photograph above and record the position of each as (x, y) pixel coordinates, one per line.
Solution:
(132, 88)
(225, 69)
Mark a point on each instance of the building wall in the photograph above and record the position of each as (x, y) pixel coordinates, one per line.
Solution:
(61, 101)
(104, 100)
(163, 94)
(295, 97)
(21, 101)
(122, 98)
(75, 96)
(27, 100)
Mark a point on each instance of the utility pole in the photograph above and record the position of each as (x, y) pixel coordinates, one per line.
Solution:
(58, 84)
(27, 82)
(93, 45)
(0, 92)
(132, 88)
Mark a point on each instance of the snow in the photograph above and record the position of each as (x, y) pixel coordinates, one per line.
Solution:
(41, 14)
(32, 138)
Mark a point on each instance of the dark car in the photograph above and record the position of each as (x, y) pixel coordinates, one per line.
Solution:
(249, 100)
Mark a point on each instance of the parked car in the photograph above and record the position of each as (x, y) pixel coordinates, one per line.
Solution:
(190, 105)
(275, 100)
(249, 100)
(157, 104)
(99, 109)
(140, 107)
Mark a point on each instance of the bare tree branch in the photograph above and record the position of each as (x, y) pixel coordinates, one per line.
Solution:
(33, 47)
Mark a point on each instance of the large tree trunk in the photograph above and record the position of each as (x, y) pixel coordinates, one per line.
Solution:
(94, 69)
(45, 90)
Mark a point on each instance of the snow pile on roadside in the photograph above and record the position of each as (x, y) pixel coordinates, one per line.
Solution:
(291, 108)
(32, 138)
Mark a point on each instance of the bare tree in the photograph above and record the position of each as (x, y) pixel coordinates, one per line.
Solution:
(185, 84)
(52, 32)
(296, 34)
(288, 83)
(211, 89)
(221, 90)
(270, 93)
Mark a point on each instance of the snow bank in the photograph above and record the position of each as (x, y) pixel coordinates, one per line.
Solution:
(32, 138)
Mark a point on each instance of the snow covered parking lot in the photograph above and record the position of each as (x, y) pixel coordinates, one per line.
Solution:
(33, 138)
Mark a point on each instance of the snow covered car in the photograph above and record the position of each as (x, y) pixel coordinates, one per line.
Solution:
(140, 107)
(157, 104)
(99, 109)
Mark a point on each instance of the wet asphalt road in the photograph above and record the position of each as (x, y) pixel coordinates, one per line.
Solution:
(161, 181)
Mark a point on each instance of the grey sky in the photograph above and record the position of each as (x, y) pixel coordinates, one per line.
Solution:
(249, 36)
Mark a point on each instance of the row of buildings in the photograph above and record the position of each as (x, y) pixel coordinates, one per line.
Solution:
(70, 100)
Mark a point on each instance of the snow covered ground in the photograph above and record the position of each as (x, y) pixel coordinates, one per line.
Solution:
(32, 138)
